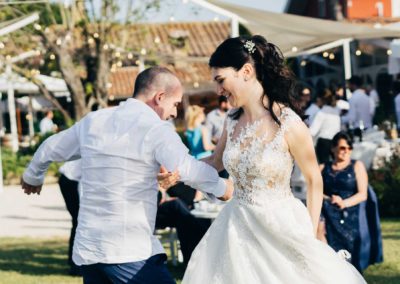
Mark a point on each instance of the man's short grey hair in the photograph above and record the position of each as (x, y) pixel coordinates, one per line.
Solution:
(154, 79)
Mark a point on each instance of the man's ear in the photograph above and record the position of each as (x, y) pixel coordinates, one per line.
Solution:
(158, 97)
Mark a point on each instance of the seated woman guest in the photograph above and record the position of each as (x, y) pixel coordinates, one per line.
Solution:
(345, 190)
(197, 134)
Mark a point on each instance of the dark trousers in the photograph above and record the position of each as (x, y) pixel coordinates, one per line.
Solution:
(190, 230)
(149, 271)
(323, 150)
(69, 191)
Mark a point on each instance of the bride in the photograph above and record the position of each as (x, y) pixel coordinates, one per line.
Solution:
(264, 235)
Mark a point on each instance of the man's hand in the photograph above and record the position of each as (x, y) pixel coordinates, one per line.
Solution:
(167, 179)
(28, 189)
(228, 192)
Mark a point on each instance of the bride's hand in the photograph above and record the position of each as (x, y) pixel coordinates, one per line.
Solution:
(228, 192)
(167, 179)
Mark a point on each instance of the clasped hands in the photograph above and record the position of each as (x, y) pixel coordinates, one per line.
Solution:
(167, 179)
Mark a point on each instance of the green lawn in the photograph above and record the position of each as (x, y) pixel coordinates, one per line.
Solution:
(29, 260)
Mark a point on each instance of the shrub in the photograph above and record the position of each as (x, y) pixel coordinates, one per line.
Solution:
(386, 183)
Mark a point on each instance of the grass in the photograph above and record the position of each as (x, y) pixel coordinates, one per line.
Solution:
(387, 272)
(30, 260)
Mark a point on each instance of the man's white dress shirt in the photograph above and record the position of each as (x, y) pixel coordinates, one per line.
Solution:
(72, 170)
(360, 110)
(121, 150)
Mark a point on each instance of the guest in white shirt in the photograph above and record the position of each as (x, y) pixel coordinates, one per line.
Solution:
(374, 97)
(216, 118)
(359, 115)
(47, 125)
(396, 90)
(325, 125)
(121, 151)
(313, 109)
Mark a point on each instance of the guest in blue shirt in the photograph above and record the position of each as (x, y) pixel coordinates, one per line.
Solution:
(197, 134)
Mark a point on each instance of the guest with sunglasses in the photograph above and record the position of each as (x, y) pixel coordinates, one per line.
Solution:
(345, 187)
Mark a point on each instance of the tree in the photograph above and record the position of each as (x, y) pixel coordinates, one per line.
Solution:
(78, 41)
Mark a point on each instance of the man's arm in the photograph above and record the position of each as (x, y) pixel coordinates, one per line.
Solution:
(170, 152)
(59, 147)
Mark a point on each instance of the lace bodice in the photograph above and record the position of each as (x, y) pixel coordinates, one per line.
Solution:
(258, 159)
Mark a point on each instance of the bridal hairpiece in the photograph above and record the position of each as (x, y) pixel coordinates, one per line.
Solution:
(250, 46)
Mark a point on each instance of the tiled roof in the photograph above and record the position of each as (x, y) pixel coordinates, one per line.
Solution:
(161, 39)
(202, 37)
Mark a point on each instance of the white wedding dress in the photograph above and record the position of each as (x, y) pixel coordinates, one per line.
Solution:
(264, 234)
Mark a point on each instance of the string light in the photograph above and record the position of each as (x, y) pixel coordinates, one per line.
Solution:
(157, 40)
(105, 46)
(216, 19)
(358, 52)
(143, 51)
(389, 52)
(90, 40)
(303, 63)
(196, 85)
(58, 42)
(1, 45)
(119, 64)
(171, 19)
(325, 54)
(331, 56)
(117, 54)
(37, 27)
(95, 35)
(52, 57)
(130, 55)
(294, 48)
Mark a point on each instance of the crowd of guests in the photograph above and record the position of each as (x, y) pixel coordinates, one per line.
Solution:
(349, 218)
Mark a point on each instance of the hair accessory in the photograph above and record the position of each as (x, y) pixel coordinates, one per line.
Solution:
(250, 46)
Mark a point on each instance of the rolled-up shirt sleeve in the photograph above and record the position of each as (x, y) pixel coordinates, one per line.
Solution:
(170, 152)
(60, 147)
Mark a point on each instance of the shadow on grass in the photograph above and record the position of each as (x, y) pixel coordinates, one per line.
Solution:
(34, 257)
(379, 279)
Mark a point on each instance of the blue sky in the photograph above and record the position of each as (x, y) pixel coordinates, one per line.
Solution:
(184, 10)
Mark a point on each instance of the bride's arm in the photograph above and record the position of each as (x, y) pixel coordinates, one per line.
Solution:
(215, 160)
(301, 147)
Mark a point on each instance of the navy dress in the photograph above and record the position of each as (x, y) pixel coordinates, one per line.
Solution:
(342, 226)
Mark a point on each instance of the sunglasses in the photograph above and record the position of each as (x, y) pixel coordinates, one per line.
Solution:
(342, 148)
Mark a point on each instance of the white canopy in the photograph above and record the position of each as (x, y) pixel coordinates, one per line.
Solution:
(23, 85)
(294, 33)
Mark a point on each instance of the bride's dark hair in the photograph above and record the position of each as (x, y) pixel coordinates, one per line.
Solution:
(277, 80)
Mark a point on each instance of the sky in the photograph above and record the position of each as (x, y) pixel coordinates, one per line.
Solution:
(185, 10)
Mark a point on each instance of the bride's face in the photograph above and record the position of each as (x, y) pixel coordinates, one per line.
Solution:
(231, 84)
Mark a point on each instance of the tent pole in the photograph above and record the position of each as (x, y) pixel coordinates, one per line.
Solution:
(30, 114)
(347, 59)
(11, 110)
(234, 27)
